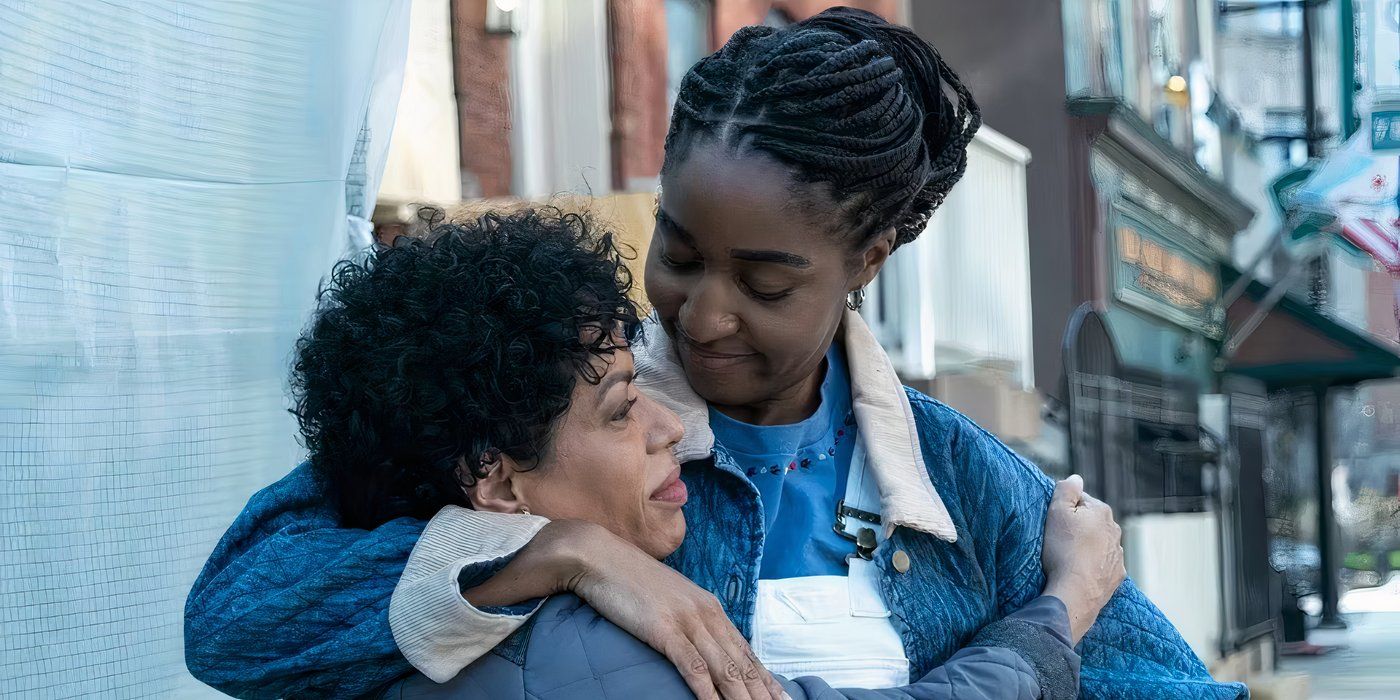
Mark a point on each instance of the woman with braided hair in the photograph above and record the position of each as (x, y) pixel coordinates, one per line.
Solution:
(850, 529)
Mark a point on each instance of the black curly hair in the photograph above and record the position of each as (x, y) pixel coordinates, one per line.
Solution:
(438, 349)
(843, 98)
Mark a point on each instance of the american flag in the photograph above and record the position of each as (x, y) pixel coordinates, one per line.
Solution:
(1379, 240)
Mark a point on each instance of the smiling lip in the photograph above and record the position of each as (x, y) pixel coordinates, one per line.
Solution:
(709, 358)
(697, 348)
(673, 491)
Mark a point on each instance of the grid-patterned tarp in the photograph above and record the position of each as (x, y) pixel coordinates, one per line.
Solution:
(172, 187)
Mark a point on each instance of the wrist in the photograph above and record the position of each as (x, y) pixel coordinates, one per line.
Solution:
(567, 551)
(1081, 612)
(554, 561)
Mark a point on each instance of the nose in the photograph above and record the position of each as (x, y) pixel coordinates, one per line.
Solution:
(665, 430)
(706, 315)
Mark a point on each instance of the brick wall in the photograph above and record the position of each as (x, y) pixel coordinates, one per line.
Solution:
(481, 72)
(637, 42)
(637, 37)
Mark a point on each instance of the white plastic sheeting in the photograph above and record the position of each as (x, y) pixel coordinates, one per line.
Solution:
(176, 176)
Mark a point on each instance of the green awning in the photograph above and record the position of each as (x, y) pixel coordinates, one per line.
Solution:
(1297, 345)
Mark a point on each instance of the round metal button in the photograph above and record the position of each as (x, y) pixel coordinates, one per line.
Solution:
(900, 561)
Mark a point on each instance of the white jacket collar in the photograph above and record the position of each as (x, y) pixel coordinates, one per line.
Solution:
(883, 415)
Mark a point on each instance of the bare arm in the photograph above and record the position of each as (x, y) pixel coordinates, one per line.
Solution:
(641, 595)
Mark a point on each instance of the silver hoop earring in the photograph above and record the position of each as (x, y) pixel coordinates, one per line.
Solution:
(855, 299)
(524, 510)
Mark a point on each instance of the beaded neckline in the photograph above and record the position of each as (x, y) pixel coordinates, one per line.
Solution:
(803, 460)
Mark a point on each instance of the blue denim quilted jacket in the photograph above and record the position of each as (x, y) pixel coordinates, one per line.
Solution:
(289, 603)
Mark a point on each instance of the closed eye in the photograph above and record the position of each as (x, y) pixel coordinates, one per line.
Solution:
(623, 412)
(766, 296)
(670, 262)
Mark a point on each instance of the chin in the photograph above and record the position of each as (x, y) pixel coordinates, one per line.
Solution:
(725, 392)
(666, 539)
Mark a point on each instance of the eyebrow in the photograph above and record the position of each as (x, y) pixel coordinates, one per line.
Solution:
(771, 256)
(612, 378)
(763, 256)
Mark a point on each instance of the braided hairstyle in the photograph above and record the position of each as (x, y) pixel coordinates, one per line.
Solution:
(844, 99)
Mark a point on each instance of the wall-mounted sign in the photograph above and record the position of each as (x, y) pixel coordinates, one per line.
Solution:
(1165, 278)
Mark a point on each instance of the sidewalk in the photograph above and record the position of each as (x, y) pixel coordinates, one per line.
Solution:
(1369, 667)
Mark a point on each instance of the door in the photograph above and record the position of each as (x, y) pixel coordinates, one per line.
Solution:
(1249, 578)
(1097, 400)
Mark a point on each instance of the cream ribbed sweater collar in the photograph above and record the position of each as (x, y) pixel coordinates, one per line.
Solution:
(883, 415)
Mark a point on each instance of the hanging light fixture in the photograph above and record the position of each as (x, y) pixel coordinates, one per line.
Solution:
(502, 16)
(1178, 92)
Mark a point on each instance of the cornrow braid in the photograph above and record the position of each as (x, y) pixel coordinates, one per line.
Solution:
(843, 98)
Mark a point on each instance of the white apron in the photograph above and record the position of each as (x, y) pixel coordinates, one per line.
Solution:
(833, 627)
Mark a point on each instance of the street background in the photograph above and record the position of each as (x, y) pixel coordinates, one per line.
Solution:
(1171, 267)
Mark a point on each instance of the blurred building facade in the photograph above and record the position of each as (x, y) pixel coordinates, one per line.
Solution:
(1193, 362)
(1103, 291)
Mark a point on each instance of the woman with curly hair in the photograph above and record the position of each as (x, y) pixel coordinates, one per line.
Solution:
(470, 340)
(488, 365)
(847, 527)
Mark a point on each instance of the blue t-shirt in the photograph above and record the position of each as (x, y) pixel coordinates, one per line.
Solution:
(800, 472)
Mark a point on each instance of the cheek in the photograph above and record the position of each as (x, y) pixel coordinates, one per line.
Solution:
(625, 497)
(603, 482)
(794, 333)
(666, 291)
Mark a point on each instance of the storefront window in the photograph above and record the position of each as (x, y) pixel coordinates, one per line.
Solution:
(1134, 50)
(1099, 47)
(1169, 465)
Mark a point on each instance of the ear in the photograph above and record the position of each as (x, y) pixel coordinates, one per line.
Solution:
(500, 490)
(872, 258)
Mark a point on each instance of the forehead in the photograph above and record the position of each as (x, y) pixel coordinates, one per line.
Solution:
(606, 364)
(744, 201)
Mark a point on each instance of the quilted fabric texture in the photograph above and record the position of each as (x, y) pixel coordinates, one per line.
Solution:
(569, 651)
(290, 603)
(997, 501)
(1132, 651)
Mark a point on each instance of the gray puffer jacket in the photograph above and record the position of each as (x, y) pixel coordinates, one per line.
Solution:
(568, 651)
